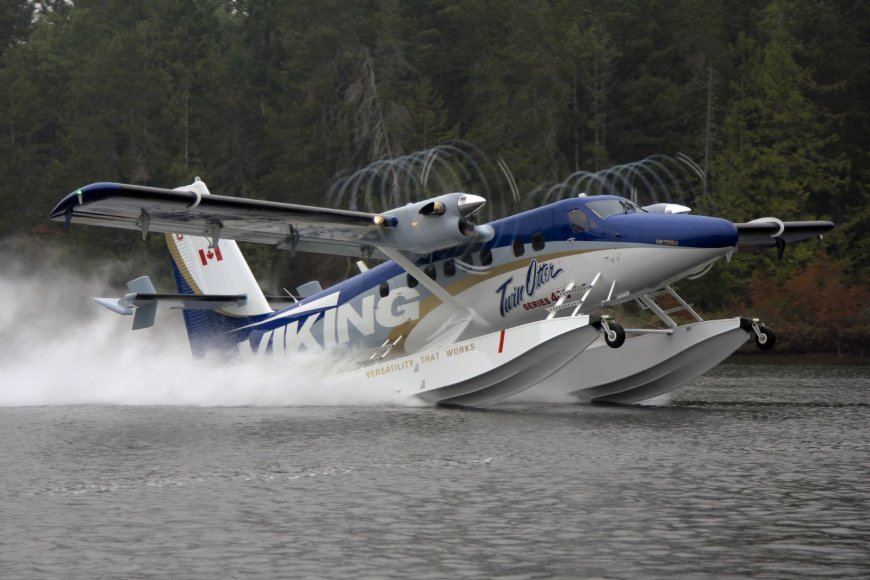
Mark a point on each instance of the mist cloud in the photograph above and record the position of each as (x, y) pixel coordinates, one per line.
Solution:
(58, 347)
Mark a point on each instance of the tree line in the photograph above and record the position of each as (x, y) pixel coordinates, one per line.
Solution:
(282, 100)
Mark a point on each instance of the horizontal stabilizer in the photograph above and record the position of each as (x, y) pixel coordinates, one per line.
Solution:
(191, 301)
(143, 305)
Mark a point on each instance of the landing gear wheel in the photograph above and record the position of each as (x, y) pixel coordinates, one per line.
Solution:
(766, 339)
(614, 336)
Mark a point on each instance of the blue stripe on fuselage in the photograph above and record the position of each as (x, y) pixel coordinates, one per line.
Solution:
(633, 228)
(347, 291)
(551, 222)
(208, 329)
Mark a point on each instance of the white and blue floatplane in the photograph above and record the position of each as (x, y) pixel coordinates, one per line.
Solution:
(457, 312)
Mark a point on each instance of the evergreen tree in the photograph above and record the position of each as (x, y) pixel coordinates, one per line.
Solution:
(776, 138)
(776, 142)
(16, 17)
(593, 61)
(274, 100)
(428, 118)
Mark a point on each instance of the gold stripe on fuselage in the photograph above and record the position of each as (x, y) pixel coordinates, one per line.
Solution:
(432, 302)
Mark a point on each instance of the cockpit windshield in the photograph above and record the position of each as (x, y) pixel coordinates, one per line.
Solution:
(607, 207)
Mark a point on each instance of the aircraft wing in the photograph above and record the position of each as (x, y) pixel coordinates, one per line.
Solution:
(286, 226)
(765, 232)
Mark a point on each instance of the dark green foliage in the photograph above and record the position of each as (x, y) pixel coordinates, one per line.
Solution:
(275, 99)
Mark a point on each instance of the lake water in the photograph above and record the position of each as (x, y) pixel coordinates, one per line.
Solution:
(755, 470)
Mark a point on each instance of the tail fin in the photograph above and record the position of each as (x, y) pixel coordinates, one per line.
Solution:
(201, 269)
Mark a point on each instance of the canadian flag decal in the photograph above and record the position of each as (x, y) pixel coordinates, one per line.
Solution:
(211, 254)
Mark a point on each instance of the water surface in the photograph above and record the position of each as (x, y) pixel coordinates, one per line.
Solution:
(754, 470)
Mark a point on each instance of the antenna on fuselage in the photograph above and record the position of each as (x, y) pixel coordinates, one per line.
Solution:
(289, 294)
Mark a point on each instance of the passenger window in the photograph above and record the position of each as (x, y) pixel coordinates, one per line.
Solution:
(485, 257)
(519, 247)
(449, 268)
(538, 242)
(430, 271)
(580, 222)
(468, 259)
(384, 289)
(412, 282)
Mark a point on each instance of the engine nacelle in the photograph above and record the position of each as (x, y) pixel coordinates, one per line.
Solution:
(672, 208)
(435, 224)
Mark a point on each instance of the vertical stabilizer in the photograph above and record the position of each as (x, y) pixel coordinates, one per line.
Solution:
(203, 268)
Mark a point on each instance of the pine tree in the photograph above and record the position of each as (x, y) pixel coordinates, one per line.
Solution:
(775, 137)
(775, 144)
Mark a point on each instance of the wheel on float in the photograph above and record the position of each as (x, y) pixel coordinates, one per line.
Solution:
(766, 340)
(615, 336)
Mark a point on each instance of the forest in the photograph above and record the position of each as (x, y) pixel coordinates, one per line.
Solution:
(742, 109)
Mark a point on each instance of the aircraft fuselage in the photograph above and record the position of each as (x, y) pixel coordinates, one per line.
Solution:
(610, 250)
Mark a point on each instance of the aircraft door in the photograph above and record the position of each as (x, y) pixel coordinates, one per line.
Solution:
(601, 270)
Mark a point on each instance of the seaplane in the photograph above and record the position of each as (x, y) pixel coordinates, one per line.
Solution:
(455, 313)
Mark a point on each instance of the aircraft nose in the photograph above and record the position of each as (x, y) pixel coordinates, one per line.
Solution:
(690, 231)
(710, 232)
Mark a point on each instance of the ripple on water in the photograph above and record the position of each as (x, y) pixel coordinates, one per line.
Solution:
(731, 478)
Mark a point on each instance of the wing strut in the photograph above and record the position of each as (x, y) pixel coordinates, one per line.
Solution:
(427, 282)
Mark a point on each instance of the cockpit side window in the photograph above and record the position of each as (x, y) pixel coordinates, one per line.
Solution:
(580, 222)
(606, 207)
